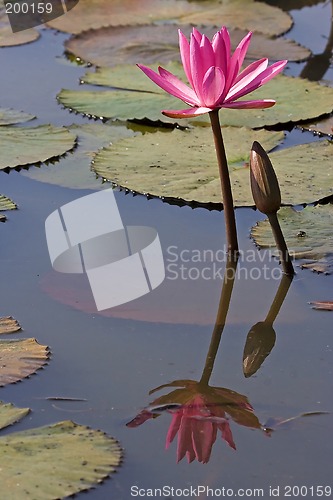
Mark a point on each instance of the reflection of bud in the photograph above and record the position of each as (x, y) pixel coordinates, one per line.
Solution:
(264, 184)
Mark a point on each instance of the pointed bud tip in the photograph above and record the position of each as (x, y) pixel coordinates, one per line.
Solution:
(264, 184)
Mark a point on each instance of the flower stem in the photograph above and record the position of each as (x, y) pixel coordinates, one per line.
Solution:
(228, 205)
(281, 244)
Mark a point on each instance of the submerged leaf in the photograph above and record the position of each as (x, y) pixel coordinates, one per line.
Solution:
(152, 44)
(178, 163)
(9, 414)
(74, 171)
(292, 96)
(322, 306)
(25, 146)
(308, 235)
(9, 325)
(20, 359)
(56, 461)
(320, 127)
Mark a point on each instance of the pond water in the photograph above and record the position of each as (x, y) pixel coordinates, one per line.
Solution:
(112, 360)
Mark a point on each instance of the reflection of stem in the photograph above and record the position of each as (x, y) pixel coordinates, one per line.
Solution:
(281, 244)
(318, 64)
(279, 298)
(228, 283)
(228, 205)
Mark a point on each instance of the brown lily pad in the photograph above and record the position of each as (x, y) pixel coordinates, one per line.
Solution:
(20, 359)
(9, 39)
(9, 325)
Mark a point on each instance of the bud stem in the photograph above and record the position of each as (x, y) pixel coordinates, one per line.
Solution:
(228, 205)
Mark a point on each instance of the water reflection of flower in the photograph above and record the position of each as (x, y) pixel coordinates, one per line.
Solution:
(199, 413)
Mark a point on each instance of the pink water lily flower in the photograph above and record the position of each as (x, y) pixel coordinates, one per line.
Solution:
(214, 75)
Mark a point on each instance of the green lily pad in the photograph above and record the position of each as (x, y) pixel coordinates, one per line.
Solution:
(74, 170)
(12, 116)
(308, 235)
(178, 163)
(8, 38)
(25, 146)
(243, 14)
(9, 325)
(151, 44)
(20, 359)
(183, 164)
(56, 461)
(293, 97)
(9, 414)
(6, 203)
(305, 173)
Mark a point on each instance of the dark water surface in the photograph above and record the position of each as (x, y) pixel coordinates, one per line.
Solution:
(114, 360)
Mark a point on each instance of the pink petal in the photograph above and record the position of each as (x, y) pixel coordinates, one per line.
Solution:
(186, 113)
(260, 80)
(166, 85)
(252, 69)
(221, 48)
(261, 104)
(197, 35)
(181, 86)
(184, 47)
(213, 86)
(197, 68)
(207, 54)
(237, 60)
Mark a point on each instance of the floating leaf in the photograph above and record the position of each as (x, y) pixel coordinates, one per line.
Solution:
(183, 164)
(24, 146)
(74, 171)
(56, 461)
(9, 325)
(8, 38)
(12, 116)
(151, 44)
(293, 97)
(6, 203)
(322, 306)
(9, 414)
(178, 163)
(244, 14)
(321, 127)
(20, 359)
(308, 234)
(96, 13)
(305, 173)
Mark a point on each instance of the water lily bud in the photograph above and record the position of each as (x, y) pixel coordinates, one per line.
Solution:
(264, 184)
